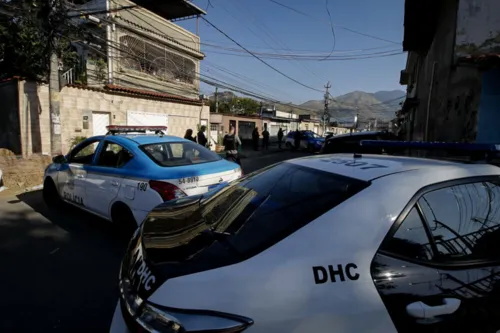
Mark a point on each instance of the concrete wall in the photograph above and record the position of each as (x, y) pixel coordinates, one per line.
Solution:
(454, 96)
(77, 103)
(478, 27)
(10, 137)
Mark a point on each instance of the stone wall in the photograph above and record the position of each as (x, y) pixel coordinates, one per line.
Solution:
(77, 103)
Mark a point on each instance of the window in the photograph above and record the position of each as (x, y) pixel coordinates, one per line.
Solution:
(410, 240)
(156, 60)
(169, 154)
(464, 221)
(84, 152)
(113, 156)
(256, 212)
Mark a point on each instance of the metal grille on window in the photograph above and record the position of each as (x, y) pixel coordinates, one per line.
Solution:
(155, 60)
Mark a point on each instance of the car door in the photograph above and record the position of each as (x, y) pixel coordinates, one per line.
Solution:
(72, 175)
(438, 270)
(105, 177)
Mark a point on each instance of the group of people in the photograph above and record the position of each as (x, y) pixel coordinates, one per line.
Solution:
(265, 138)
(231, 142)
(200, 137)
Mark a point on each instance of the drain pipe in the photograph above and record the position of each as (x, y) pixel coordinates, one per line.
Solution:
(429, 98)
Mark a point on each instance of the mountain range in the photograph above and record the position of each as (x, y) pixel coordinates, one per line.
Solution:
(380, 105)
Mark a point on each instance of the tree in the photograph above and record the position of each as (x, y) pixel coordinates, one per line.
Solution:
(26, 37)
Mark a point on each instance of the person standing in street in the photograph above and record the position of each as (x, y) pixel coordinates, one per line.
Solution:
(255, 138)
(265, 139)
(201, 138)
(231, 143)
(297, 140)
(189, 135)
(280, 137)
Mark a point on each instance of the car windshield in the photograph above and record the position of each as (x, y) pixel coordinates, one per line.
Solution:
(169, 154)
(253, 213)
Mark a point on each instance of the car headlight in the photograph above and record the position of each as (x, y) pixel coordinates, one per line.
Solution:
(157, 319)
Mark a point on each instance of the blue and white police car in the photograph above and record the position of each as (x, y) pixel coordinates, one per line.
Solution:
(328, 243)
(122, 176)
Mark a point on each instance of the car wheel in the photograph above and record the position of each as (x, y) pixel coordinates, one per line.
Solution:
(288, 145)
(123, 219)
(50, 195)
(310, 148)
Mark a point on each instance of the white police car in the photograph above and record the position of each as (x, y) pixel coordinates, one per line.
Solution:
(122, 177)
(329, 243)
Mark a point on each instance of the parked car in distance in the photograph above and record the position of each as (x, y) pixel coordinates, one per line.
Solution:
(349, 143)
(308, 140)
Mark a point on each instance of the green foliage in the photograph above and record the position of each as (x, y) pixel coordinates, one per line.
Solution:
(76, 140)
(238, 105)
(25, 39)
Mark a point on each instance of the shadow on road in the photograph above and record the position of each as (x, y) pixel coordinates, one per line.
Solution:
(59, 269)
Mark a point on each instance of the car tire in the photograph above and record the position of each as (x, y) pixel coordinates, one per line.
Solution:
(288, 145)
(51, 197)
(310, 148)
(123, 219)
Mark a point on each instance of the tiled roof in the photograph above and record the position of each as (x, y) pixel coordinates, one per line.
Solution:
(140, 93)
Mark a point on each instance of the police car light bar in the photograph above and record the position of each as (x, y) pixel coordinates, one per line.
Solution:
(476, 150)
(461, 147)
(114, 129)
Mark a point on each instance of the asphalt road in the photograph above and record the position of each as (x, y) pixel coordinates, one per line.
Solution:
(59, 270)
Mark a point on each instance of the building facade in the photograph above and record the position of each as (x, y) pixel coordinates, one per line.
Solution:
(137, 67)
(452, 76)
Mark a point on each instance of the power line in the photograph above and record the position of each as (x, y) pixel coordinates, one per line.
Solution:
(336, 25)
(256, 57)
(331, 26)
(315, 58)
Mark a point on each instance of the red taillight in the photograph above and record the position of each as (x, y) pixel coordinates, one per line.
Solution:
(167, 191)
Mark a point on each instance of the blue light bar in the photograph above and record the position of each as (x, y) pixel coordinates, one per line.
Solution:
(461, 147)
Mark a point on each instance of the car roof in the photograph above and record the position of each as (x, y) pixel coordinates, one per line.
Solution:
(142, 139)
(369, 167)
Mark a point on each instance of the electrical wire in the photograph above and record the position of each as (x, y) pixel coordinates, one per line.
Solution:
(258, 58)
(333, 29)
(336, 25)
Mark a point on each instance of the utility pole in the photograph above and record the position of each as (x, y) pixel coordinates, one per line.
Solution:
(54, 87)
(326, 116)
(216, 99)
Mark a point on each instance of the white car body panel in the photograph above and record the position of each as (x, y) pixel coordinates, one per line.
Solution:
(276, 288)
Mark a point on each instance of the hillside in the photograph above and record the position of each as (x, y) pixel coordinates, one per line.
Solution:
(380, 105)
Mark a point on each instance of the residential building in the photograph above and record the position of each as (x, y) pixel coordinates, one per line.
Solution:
(452, 75)
(137, 68)
(310, 122)
(275, 119)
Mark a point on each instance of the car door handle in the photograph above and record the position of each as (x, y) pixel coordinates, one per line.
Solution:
(114, 183)
(421, 310)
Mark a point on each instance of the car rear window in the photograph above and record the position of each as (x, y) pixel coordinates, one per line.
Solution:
(170, 154)
(265, 207)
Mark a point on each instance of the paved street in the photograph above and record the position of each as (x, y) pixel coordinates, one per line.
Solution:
(59, 270)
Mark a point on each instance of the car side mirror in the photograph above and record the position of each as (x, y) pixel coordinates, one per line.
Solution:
(59, 159)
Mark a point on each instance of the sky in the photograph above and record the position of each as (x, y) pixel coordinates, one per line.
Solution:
(265, 27)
